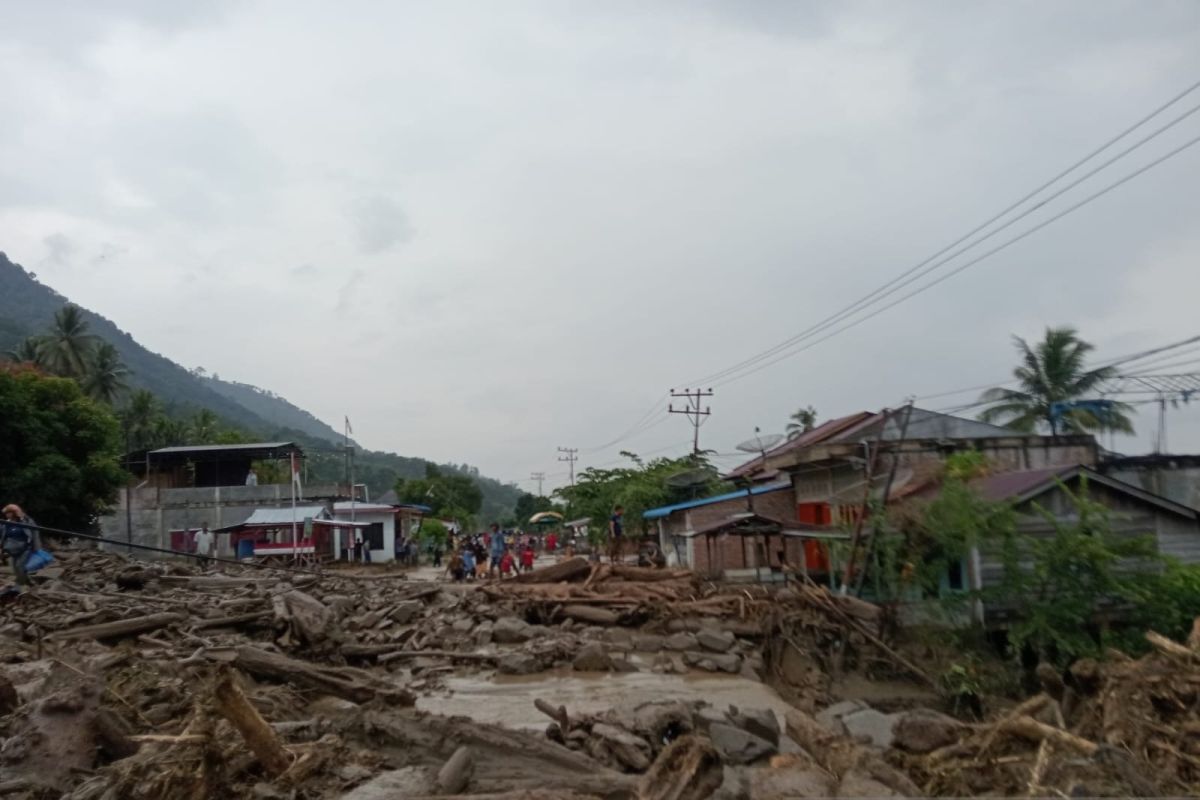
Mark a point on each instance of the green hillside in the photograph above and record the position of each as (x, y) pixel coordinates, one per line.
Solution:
(29, 307)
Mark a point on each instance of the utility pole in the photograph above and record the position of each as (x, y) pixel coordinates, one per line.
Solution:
(570, 458)
(695, 414)
(539, 477)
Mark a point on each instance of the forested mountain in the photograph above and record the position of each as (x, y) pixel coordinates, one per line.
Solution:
(28, 307)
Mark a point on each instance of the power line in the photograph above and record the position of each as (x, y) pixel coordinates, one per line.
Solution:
(539, 477)
(880, 292)
(988, 254)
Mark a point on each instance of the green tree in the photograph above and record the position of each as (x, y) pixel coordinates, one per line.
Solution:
(1054, 371)
(802, 421)
(451, 495)
(67, 349)
(26, 352)
(105, 377)
(529, 504)
(204, 427)
(59, 449)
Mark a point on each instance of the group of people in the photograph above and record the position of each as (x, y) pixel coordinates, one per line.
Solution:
(489, 555)
(19, 540)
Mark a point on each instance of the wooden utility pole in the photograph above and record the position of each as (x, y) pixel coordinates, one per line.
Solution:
(695, 414)
(570, 458)
(539, 477)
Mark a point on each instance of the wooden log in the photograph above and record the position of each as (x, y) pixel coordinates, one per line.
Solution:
(1029, 728)
(455, 774)
(687, 769)
(122, 627)
(231, 703)
(651, 574)
(366, 650)
(451, 654)
(233, 619)
(213, 581)
(1168, 646)
(569, 570)
(596, 616)
(838, 754)
(348, 683)
(558, 714)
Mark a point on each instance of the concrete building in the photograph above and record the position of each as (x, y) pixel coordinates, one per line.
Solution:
(384, 522)
(1175, 477)
(182, 488)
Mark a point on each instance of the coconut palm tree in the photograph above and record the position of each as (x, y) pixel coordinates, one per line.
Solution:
(24, 353)
(68, 348)
(803, 421)
(204, 427)
(105, 378)
(139, 417)
(1050, 372)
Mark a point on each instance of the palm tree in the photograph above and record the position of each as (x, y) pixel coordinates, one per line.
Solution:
(803, 421)
(139, 417)
(105, 378)
(1051, 373)
(68, 348)
(25, 353)
(204, 427)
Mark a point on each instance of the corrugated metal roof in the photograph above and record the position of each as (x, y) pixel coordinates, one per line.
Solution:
(362, 508)
(267, 517)
(1017, 487)
(663, 511)
(826, 430)
(217, 448)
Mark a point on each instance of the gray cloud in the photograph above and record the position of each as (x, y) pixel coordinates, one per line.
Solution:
(611, 199)
(379, 223)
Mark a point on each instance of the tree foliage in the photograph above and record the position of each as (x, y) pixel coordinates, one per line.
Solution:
(59, 450)
(1054, 371)
(638, 487)
(450, 495)
(802, 421)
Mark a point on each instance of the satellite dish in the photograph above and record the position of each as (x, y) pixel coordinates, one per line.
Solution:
(761, 443)
(689, 478)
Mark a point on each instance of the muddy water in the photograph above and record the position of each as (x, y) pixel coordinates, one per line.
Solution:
(508, 699)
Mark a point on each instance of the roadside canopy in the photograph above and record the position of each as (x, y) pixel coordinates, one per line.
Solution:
(546, 518)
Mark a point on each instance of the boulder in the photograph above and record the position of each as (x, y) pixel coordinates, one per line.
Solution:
(396, 783)
(761, 722)
(870, 725)
(592, 658)
(714, 662)
(518, 664)
(736, 746)
(790, 782)
(716, 641)
(624, 665)
(647, 642)
(680, 641)
(858, 784)
(831, 717)
(618, 638)
(923, 730)
(510, 630)
(406, 610)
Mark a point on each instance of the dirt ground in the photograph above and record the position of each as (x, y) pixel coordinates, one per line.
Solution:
(128, 679)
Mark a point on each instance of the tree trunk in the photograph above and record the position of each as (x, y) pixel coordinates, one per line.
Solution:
(122, 627)
(231, 703)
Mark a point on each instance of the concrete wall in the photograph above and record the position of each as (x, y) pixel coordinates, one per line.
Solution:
(1178, 483)
(154, 512)
(388, 553)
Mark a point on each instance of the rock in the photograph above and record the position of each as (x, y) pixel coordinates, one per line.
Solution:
(667, 664)
(831, 717)
(8, 696)
(647, 642)
(404, 611)
(510, 630)
(761, 722)
(618, 638)
(680, 641)
(873, 726)
(396, 783)
(632, 751)
(463, 625)
(456, 773)
(858, 784)
(592, 658)
(793, 782)
(518, 664)
(624, 665)
(714, 662)
(265, 791)
(923, 730)
(483, 633)
(354, 773)
(736, 746)
(706, 716)
(715, 641)
(328, 704)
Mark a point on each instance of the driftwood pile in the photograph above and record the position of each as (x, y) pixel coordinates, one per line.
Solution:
(1125, 727)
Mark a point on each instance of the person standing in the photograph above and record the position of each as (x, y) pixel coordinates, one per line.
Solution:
(616, 533)
(468, 562)
(527, 557)
(17, 541)
(496, 549)
(252, 477)
(204, 541)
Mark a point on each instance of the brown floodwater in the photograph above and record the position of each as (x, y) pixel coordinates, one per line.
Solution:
(508, 699)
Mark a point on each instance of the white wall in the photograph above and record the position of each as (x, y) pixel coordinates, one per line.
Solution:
(388, 553)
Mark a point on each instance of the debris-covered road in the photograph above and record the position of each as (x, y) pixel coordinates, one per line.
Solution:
(128, 679)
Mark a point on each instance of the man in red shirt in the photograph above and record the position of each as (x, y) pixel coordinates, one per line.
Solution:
(506, 564)
(527, 557)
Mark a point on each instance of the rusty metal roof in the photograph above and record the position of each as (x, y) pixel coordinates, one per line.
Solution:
(826, 430)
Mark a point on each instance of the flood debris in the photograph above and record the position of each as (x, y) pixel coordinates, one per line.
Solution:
(122, 679)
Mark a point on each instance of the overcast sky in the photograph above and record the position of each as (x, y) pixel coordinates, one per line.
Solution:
(485, 230)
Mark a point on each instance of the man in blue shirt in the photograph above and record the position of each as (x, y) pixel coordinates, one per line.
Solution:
(468, 559)
(497, 550)
(615, 534)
